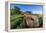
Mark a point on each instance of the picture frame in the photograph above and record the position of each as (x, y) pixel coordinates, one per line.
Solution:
(7, 16)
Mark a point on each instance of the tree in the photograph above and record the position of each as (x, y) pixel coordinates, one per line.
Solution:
(15, 10)
(28, 12)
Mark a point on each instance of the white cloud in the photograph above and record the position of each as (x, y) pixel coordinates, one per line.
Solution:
(37, 12)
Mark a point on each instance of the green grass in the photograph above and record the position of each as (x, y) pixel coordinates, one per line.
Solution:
(16, 20)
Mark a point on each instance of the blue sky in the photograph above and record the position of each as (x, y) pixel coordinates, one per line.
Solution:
(36, 9)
